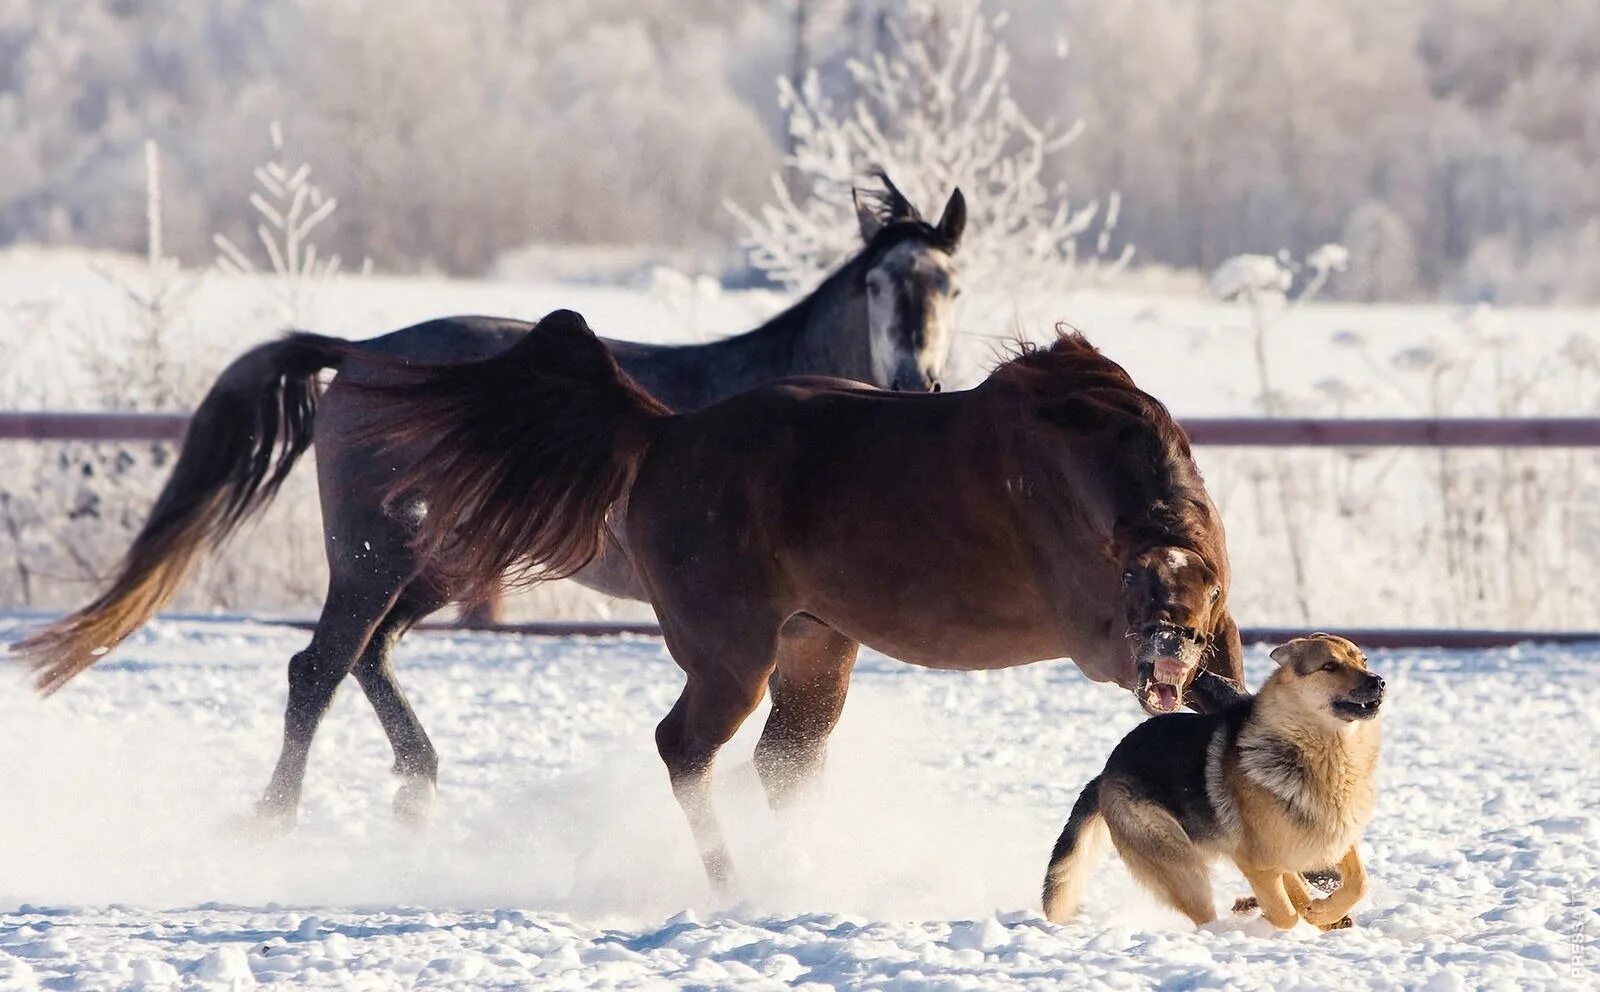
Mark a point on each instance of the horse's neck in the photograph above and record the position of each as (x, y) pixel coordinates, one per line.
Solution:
(823, 334)
(1097, 482)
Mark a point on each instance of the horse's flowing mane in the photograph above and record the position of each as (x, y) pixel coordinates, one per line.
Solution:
(1071, 385)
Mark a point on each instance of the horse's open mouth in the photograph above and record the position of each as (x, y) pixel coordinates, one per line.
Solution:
(1161, 685)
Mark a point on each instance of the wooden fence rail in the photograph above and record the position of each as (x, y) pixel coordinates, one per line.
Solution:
(1249, 432)
(1287, 432)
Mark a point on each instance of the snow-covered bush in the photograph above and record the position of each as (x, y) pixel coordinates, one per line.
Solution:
(1263, 283)
(933, 109)
(290, 207)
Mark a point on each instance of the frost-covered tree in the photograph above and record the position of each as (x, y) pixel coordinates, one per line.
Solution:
(1383, 255)
(933, 109)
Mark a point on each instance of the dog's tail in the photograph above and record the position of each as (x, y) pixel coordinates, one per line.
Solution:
(242, 441)
(1079, 848)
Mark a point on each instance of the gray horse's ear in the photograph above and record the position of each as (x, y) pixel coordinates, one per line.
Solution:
(895, 201)
(867, 215)
(954, 219)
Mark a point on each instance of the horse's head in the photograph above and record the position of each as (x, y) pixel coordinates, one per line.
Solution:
(1174, 604)
(909, 278)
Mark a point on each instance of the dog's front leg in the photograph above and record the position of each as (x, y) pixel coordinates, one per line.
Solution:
(1270, 896)
(1330, 911)
(1299, 894)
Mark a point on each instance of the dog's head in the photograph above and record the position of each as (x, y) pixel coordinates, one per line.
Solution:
(1327, 676)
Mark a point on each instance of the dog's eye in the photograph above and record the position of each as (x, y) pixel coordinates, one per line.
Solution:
(1332, 666)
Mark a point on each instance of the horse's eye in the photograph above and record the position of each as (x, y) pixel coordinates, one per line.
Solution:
(1216, 593)
(1127, 579)
(955, 292)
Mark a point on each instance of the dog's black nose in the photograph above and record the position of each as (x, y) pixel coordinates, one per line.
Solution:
(1375, 683)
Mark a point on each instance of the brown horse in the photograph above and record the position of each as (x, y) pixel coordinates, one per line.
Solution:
(1053, 511)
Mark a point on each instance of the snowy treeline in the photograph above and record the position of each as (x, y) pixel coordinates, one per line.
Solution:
(1452, 145)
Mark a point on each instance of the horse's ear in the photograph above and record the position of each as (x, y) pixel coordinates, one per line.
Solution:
(867, 215)
(1120, 542)
(895, 201)
(954, 219)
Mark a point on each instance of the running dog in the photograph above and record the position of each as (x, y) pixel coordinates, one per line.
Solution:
(1280, 783)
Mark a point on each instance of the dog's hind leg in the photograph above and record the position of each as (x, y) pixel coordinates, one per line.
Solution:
(415, 760)
(1159, 852)
(814, 662)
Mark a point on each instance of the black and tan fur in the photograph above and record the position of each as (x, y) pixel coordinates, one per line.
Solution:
(1279, 783)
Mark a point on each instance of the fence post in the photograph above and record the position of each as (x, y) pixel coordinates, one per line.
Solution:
(486, 613)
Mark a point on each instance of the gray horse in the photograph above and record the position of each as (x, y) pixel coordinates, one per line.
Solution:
(885, 317)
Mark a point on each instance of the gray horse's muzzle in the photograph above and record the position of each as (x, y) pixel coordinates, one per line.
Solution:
(915, 380)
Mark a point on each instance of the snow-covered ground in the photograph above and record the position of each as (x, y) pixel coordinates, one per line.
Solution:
(557, 858)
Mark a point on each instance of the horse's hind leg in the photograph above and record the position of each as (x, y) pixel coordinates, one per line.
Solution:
(415, 760)
(814, 662)
(353, 610)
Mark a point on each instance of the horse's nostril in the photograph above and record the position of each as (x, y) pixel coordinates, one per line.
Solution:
(938, 386)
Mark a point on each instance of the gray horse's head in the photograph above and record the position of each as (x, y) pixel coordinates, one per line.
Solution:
(910, 282)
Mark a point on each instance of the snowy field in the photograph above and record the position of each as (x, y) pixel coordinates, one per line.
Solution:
(557, 858)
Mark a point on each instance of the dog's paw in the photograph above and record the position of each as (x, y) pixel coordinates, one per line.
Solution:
(1318, 915)
(1245, 906)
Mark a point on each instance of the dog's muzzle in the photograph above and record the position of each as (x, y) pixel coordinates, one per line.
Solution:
(1362, 702)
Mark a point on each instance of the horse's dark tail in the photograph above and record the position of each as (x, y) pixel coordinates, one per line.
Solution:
(242, 441)
(518, 457)
(1082, 842)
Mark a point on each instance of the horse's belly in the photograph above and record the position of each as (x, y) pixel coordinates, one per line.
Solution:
(947, 640)
(954, 649)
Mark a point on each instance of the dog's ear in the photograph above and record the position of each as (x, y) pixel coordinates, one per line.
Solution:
(1303, 654)
(1286, 654)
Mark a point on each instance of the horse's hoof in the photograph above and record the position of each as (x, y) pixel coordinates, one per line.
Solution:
(265, 822)
(413, 802)
(1245, 906)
